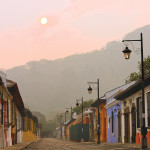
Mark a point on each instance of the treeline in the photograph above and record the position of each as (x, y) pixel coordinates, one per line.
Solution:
(47, 126)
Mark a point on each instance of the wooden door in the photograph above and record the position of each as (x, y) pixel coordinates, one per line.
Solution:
(127, 128)
(133, 115)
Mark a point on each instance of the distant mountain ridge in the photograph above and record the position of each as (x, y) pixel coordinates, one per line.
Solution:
(50, 86)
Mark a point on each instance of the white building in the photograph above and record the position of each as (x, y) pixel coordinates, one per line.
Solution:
(131, 103)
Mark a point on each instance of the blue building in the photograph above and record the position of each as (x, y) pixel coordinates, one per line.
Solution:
(113, 109)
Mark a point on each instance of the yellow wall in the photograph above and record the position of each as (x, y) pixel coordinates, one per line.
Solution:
(31, 124)
(28, 134)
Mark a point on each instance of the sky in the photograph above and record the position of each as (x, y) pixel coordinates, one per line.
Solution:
(74, 27)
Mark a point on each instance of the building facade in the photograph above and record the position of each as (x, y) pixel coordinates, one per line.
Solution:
(12, 114)
(132, 112)
(103, 123)
(113, 108)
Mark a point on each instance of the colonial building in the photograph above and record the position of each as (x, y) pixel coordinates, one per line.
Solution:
(131, 113)
(113, 108)
(17, 112)
(103, 124)
(5, 103)
(30, 126)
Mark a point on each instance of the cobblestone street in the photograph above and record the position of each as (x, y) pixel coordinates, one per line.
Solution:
(54, 144)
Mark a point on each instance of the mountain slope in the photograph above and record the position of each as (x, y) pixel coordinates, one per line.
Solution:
(49, 86)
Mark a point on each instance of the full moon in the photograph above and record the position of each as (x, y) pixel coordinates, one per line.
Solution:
(43, 20)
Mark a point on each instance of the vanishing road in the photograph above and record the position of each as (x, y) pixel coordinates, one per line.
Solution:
(55, 144)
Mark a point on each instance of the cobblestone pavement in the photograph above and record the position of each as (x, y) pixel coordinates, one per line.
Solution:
(55, 144)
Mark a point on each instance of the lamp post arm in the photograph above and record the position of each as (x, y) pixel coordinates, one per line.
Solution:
(91, 82)
(130, 40)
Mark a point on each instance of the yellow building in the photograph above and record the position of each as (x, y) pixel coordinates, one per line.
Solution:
(31, 131)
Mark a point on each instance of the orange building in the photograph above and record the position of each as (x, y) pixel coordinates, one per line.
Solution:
(103, 123)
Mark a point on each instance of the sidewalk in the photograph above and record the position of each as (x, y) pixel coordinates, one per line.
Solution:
(20, 146)
(123, 146)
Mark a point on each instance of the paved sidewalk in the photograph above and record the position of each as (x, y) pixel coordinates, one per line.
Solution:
(20, 146)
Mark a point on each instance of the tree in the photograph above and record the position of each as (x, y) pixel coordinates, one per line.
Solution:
(134, 76)
(86, 104)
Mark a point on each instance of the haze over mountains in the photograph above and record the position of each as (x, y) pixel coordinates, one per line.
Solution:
(48, 86)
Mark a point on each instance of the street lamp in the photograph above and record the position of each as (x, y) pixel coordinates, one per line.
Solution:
(127, 53)
(90, 91)
(68, 111)
(77, 104)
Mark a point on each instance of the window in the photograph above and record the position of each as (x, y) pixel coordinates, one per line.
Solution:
(148, 107)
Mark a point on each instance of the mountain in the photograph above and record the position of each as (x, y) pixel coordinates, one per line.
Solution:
(50, 86)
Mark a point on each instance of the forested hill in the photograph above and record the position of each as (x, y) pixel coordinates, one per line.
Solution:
(49, 86)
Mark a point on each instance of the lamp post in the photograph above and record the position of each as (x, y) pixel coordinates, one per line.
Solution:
(68, 111)
(65, 125)
(60, 125)
(90, 91)
(77, 104)
(127, 53)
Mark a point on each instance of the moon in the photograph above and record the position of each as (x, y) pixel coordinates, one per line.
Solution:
(43, 20)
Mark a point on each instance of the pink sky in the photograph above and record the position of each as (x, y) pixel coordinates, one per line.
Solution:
(74, 26)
